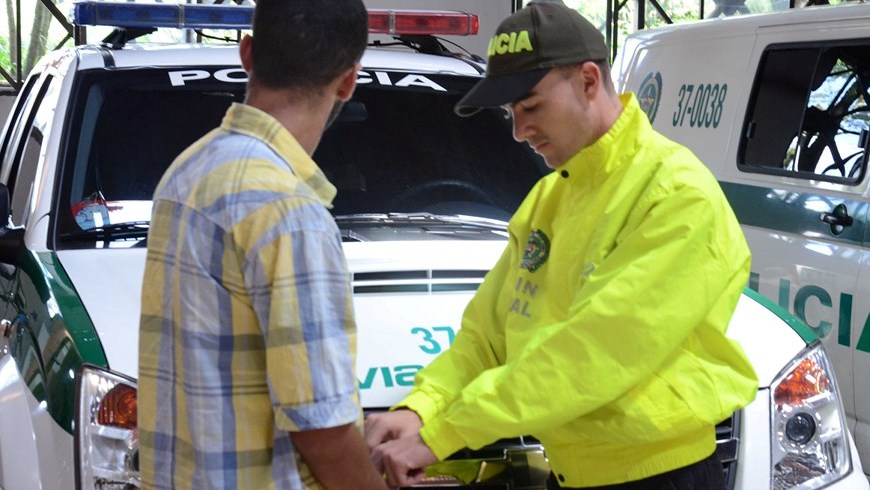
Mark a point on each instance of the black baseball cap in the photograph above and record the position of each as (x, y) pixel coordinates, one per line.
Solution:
(526, 45)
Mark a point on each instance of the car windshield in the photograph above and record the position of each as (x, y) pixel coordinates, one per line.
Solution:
(396, 147)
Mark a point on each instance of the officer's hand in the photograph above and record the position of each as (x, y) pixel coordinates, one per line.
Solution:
(382, 427)
(404, 460)
(388, 426)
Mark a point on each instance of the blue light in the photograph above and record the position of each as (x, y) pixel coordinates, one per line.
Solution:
(130, 14)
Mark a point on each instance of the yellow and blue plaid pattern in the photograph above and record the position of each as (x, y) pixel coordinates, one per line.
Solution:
(247, 330)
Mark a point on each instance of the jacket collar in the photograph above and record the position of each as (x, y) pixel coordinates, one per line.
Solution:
(593, 164)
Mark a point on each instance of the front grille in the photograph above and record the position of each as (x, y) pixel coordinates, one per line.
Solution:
(520, 464)
(727, 442)
(417, 281)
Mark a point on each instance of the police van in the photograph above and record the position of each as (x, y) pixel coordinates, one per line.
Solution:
(777, 105)
(423, 200)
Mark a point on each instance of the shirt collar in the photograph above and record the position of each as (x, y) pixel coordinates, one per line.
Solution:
(245, 119)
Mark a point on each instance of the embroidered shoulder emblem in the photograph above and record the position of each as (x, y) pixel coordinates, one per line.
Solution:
(536, 252)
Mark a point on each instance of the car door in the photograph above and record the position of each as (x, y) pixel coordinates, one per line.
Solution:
(22, 144)
(798, 184)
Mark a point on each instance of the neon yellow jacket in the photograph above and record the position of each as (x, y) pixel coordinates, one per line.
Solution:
(601, 329)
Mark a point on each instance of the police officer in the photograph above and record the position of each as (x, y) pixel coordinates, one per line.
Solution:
(601, 329)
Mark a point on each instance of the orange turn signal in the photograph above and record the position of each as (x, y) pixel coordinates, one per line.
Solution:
(806, 380)
(118, 408)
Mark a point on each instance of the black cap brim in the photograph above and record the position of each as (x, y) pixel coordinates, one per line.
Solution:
(497, 90)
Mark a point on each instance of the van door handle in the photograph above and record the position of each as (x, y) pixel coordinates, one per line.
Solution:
(7, 329)
(838, 218)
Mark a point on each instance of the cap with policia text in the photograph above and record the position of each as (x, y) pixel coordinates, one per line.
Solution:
(544, 34)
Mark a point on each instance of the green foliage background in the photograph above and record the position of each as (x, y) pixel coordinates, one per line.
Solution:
(5, 62)
(679, 11)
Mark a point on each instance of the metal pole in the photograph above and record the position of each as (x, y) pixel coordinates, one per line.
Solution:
(18, 75)
(658, 8)
(610, 28)
(9, 78)
(640, 19)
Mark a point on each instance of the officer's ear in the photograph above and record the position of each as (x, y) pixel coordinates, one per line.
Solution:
(588, 76)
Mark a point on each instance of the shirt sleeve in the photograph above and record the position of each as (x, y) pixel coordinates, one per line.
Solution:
(297, 279)
(637, 308)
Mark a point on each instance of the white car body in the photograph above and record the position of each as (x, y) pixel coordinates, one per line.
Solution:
(69, 300)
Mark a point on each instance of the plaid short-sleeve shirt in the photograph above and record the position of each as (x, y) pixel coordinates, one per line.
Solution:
(247, 329)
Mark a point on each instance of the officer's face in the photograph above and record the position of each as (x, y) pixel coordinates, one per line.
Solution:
(555, 116)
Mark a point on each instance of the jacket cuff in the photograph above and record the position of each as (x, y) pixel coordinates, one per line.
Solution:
(421, 403)
(442, 438)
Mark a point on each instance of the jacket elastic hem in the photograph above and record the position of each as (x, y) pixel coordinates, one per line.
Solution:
(584, 465)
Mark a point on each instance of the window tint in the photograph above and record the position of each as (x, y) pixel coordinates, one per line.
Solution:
(24, 182)
(15, 115)
(127, 128)
(809, 114)
(396, 146)
(406, 151)
(24, 114)
(22, 165)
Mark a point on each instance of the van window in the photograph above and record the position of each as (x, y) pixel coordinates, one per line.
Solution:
(809, 115)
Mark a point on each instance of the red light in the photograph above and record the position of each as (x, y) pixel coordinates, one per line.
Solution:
(422, 22)
(118, 408)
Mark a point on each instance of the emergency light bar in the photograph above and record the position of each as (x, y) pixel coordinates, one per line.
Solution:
(422, 22)
(129, 14)
(194, 16)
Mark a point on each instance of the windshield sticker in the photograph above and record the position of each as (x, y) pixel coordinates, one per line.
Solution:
(702, 103)
(92, 212)
(649, 93)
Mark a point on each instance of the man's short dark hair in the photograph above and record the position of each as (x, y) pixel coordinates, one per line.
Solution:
(305, 44)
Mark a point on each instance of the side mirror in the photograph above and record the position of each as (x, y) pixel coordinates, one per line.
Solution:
(11, 238)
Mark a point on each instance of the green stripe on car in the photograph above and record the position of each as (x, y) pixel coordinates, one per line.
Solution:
(798, 213)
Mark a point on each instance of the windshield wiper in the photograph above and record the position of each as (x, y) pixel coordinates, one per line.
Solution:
(116, 231)
(420, 219)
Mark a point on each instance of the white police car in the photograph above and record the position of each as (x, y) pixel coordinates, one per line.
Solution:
(778, 105)
(422, 200)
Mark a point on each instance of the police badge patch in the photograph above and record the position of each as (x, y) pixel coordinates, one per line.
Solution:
(649, 93)
(536, 252)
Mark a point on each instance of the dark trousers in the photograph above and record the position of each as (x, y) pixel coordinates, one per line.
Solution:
(706, 474)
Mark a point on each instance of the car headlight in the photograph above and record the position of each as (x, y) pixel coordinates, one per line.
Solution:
(810, 442)
(106, 435)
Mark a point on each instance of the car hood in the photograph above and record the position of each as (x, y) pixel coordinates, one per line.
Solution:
(408, 296)
(408, 307)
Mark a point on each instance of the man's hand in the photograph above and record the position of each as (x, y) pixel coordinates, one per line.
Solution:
(383, 427)
(404, 460)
